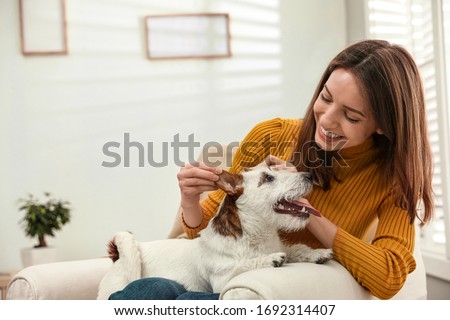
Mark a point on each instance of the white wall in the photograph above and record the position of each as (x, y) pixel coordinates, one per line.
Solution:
(57, 112)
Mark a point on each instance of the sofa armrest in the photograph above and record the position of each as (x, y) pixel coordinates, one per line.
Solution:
(295, 281)
(309, 281)
(71, 280)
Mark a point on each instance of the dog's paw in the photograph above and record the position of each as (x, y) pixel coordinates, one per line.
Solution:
(278, 259)
(321, 256)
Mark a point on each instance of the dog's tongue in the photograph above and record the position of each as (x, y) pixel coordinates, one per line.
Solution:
(308, 207)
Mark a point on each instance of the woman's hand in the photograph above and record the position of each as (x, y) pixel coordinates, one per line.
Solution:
(277, 164)
(193, 180)
(322, 228)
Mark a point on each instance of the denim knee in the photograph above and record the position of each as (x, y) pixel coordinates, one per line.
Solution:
(198, 296)
(150, 289)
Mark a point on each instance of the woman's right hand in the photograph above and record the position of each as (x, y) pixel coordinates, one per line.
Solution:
(276, 163)
(193, 180)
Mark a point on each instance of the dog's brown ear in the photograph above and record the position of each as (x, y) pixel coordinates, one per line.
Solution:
(230, 183)
(227, 221)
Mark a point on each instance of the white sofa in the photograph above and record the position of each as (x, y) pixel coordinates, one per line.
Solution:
(75, 280)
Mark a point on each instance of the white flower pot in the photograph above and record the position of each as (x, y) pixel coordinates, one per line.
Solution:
(32, 256)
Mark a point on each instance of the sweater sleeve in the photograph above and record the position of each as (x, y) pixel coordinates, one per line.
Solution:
(256, 146)
(383, 265)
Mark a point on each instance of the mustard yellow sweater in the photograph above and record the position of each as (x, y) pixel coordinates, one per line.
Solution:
(353, 204)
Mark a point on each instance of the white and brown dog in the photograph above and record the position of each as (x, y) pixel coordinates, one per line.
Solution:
(242, 236)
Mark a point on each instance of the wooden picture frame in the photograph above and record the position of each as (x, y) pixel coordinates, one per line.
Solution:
(187, 36)
(43, 27)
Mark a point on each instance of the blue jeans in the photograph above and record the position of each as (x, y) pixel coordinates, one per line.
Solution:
(159, 289)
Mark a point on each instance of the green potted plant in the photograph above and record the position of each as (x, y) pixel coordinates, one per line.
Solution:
(41, 219)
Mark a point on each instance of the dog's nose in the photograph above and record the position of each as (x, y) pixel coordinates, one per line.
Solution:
(308, 176)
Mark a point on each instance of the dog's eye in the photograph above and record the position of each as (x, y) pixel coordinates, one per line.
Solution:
(265, 178)
(269, 178)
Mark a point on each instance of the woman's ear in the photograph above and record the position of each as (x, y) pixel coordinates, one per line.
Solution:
(379, 131)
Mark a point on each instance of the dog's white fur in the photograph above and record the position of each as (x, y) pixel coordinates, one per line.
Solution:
(236, 242)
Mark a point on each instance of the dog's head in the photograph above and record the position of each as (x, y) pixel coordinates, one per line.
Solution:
(263, 196)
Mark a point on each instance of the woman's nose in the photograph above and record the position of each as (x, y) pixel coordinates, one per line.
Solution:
(328, 119)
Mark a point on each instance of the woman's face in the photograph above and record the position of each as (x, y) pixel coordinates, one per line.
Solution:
(343, 118)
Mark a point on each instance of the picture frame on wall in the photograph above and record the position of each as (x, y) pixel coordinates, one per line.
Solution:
(188, 36)
(43, 27)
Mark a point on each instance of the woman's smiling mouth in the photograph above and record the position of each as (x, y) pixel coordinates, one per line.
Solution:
(328, 135)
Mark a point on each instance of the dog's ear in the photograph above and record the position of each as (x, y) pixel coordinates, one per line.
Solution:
(230, 183)
(227, 221)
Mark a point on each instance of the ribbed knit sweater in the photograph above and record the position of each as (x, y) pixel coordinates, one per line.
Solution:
(358, 200)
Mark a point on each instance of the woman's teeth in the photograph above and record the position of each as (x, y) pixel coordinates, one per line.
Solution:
(329, 134)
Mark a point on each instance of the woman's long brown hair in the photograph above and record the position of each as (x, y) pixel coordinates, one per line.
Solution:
(391, 84)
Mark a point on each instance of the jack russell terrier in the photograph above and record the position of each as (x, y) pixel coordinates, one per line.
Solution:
(242, 236)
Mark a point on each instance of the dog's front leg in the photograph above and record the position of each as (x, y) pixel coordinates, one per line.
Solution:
(303, 253)
(273, 260)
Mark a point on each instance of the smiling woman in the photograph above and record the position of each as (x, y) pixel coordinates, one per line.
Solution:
(367, 105)
(342, 114)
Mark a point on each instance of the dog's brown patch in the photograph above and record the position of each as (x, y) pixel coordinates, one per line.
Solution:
(113, 252)
(227, 222)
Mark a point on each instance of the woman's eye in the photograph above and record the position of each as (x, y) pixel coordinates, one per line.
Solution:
(351, 120)
(325, 99)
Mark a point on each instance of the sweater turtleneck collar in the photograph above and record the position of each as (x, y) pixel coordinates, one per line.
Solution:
(359, 151)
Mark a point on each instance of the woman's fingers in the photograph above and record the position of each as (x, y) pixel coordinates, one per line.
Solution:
(276, 163)
(195, 191)
(196, 178)
(203, 166)
(196, 173)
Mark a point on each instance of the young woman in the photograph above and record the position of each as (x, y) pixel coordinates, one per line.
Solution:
(364, 137)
